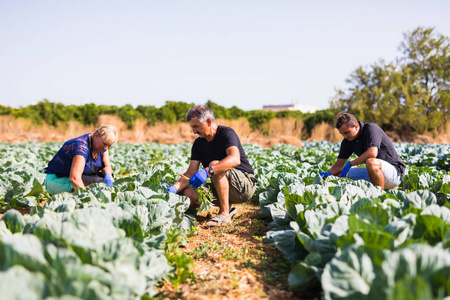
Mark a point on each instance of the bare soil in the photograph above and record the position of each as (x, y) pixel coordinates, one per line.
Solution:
(232, 261)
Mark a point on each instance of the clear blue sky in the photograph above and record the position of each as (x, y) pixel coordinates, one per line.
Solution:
(243, 53)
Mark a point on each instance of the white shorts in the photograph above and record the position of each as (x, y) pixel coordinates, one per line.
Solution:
(391, 177)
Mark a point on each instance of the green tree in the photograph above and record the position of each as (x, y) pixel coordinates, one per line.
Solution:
(257, 118)
(6, 110)
(128, 115)
(149, 113)
(89, 113)
(109, 109)
(45, 112)
(236, 113)
(220, 112)
(411, 95)
(286, 114)
(179, 109)
(427, 56)
(312, 119)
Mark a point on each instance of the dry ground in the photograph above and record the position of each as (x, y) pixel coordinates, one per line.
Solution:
(234, 262)
(286, 131)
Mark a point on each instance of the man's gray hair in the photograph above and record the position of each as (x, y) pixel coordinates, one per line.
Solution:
(345, 118)
(201, 112)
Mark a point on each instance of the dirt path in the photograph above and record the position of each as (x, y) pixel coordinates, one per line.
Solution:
(233, 262)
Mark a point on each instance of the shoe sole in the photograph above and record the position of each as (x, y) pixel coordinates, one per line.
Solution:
(233, 212)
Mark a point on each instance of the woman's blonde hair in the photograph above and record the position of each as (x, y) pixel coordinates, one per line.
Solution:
(108, 133)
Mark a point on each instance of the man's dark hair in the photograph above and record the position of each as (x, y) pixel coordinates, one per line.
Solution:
(345, 118)
(201, 112)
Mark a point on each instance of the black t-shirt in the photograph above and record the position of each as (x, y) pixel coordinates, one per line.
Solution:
(371, 135)
(225, 137)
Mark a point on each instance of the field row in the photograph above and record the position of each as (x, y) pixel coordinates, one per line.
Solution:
(351, 238)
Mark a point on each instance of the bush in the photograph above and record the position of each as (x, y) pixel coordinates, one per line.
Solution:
(171, 112)
(312, 119)
(257, 118)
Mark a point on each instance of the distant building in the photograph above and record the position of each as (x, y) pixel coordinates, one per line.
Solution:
(294, 106)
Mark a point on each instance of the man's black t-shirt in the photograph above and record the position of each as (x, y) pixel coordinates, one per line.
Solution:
(225, 137)
(371, 135)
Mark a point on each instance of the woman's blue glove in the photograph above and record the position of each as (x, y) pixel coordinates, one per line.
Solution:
(108, 179)
(172, 189)
(346, 169)
(325, 174)
(199, 178)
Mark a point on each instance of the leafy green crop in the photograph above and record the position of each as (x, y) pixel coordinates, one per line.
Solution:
(98, 243)
(350, 237)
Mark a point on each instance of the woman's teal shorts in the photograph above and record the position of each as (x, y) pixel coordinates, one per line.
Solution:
(55, 185)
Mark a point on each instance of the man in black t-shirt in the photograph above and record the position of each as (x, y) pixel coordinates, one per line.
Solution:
(220, 152)
(373, 148)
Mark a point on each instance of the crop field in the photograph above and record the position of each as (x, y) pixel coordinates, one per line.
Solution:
(347, 237)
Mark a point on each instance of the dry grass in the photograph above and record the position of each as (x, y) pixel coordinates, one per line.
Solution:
(285, 127)
(242, 128)
(433, 137)
(21, 130)
(285, 131)
(442, 136)
(325, 132)
(111, 120)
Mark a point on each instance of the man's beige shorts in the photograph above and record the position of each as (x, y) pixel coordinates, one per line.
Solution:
(242, 186)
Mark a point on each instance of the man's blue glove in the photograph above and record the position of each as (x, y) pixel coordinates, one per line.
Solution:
(199, 178)
(172, 189)
(346, 169)
(325, 174)
(108, 179)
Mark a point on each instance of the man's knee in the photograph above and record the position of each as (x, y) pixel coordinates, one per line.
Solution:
(189, 192)
(373, 164)
(192, 195)
(218, 179)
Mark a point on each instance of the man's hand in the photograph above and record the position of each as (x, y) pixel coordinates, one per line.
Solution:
(108, 179)
(199, 178)
(325, 174)
(172, 189)
(346, 169)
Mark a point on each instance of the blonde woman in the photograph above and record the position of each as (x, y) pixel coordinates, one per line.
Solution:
(82, 161)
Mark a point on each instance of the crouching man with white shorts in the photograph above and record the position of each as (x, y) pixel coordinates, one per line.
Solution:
(373, 148)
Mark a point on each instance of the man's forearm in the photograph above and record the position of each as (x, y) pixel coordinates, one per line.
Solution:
(336, 168)
(232, 160)
(372, 152)
(224, 165)
(182, 183)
